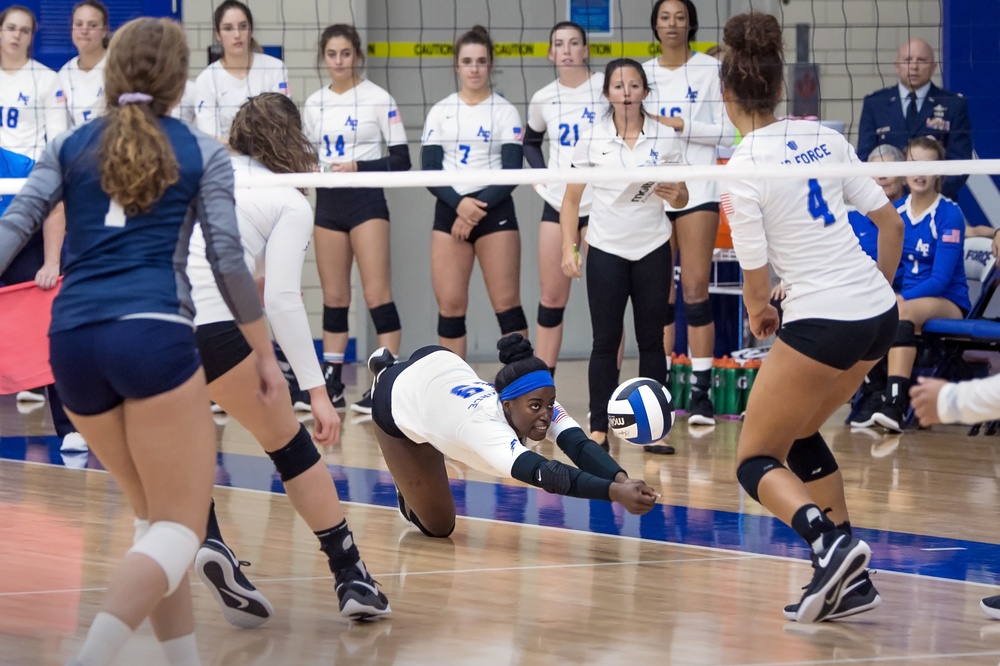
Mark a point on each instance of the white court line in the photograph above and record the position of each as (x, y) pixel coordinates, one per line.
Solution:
(869, 660)
(672, 544)
(938, 550)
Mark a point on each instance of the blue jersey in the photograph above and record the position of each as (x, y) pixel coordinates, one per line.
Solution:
(933, 245)
(16, 165)
(121, 267)
(866, 231)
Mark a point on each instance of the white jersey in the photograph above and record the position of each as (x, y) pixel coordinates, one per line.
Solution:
(276, 226)
(356, 126)
(84, 91)
(970, 402)
(472, 135)
(185, 110)
(693, 92)
(632, 230)
(566, 115)
(439, 400)
(801, 227)
(32, 109)
(220, 94)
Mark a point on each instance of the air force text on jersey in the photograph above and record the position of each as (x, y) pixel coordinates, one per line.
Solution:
(808, 156)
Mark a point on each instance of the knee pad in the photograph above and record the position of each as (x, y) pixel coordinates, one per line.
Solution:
(699, 314)
(554, 477)
(386, 318)
(669, 315)
(550, 317)
(141, 527)
(752, 470)
(906, 335)
(512, 320)
(296, 457)
(335, 320)
(811, 459)
(420, 526)
(172, 546)
(451, 327)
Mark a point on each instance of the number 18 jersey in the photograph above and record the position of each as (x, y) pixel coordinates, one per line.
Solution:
(801, 226)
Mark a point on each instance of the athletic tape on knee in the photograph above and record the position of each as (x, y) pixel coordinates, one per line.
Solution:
(752, 470)
(335, 320)
(512, 320)
(141, 527)
(550, 317)
(669, 315)
(296, 457)
(699, 314)
(451, 327)
(172, 546)
(906, 335)
(385, 317)
(811, 459)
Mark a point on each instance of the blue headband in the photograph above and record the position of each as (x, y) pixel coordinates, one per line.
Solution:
(526, 384)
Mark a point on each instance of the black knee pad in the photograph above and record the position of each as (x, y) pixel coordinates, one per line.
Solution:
(296, 457)
(512, 320)
(386, 318)
(451, 327)
(811, 459)
(669, 315)
(752, 470)
(335, 320)
(550, 317)
(420, 526)
(906, 335)
(699, 314)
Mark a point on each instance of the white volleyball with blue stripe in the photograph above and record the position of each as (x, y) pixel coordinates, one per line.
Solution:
(641, 411)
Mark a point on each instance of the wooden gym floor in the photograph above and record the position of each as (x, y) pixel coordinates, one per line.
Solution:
(530, 578)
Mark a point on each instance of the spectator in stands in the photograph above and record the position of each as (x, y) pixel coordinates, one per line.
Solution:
(916, 107)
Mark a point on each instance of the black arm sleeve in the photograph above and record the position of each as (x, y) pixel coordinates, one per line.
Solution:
(511, 157)
(533, 148)
(398, 159)
(587, 455)
(432, 159)
(531, 468)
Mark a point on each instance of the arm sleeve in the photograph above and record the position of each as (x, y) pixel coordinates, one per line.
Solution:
(432, 159)
(398, 159)
(216, 212)
(533, 148)
(584, 452)
(527, 469)
(742, 202)
(206, 112)
(310, 124)
(866, 130)
(862, 191)
(970, 402)
(56, 118)
(959, 147)
(948, 253)
(284, 256)
(719, 131)
(281, 85)
(25, 215)
(511, 157)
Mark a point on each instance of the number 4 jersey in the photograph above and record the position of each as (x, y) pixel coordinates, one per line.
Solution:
(355, 126)
(801, 226)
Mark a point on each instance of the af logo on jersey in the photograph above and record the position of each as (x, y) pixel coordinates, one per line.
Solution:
(589, 115)
(923, 247)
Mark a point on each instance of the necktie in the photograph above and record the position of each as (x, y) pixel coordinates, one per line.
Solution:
(912, 121)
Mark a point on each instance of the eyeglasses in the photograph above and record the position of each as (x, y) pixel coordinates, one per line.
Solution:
(10, 27)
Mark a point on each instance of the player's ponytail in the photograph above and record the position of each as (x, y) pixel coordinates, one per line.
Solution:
(518, 357)
(144, 77)
(754, 65)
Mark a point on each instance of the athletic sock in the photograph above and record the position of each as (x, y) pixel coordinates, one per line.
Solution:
(338, 545)
(182, 651)
(105, 639)
(810, 523)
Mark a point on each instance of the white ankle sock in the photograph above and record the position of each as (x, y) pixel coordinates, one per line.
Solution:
(182, 651)
(105, 639)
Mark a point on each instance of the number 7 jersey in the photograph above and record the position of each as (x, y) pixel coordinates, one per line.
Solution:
(801, 226)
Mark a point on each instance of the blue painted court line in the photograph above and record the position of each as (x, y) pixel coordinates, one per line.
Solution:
(941, 557)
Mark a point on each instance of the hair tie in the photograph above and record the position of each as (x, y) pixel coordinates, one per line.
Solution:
(526, 384)
(134, 98)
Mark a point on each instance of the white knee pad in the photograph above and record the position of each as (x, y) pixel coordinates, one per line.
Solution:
(172, 546)
(141, 527)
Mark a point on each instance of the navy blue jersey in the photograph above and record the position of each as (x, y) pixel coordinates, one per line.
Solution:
(121, 267)
(933, 245)
(866, 231)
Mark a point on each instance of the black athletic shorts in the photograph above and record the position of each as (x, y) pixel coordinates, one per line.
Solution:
(222, 347)
(841, 344)
(382, 391)
(550, 214)
(711, 206)
(500, 218)
(342, 209)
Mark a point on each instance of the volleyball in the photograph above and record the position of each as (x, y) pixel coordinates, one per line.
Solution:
(641, 411)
